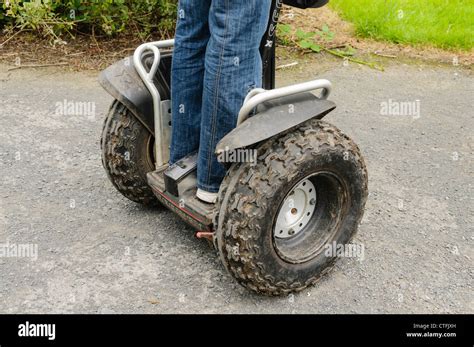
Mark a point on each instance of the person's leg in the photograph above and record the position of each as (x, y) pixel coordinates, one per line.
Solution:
(187, 75)
(233, 67)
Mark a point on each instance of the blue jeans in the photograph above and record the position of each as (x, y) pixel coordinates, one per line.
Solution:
(216, 62)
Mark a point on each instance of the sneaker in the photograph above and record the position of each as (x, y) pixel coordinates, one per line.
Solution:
(208, 197)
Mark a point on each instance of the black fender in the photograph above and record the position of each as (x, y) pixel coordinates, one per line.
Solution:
(122, 81)
(306, 3)
(273, 118)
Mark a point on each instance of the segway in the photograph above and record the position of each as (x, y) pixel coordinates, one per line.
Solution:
(277, 214)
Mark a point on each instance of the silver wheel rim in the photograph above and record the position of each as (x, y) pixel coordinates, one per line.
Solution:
(296, 210)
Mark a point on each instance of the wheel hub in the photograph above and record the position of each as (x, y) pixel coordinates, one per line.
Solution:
(296, 210)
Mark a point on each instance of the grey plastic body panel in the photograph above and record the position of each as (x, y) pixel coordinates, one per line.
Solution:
(122, 81)
(274, 117)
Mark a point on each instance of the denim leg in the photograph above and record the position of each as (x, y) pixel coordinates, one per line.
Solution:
(232, 68)
(187, 75)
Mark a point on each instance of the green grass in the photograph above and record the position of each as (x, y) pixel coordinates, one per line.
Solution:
(447, 24)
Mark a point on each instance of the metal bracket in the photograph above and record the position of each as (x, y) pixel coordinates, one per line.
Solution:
(166, 127)
(161, 140)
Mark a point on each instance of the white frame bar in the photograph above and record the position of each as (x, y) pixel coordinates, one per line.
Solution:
(258, 96)
(147, 77)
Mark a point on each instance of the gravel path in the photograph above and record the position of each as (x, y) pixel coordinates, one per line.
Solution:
(99, 253)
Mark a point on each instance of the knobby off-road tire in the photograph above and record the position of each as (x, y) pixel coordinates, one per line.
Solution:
(127, 154)
(251, 197)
